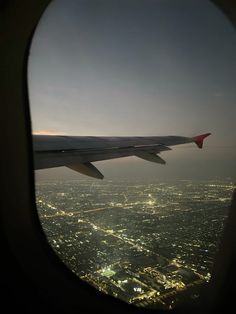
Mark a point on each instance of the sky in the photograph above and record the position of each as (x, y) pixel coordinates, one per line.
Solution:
(138, 68)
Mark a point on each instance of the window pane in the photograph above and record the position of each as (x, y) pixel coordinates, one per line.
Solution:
(146, 234)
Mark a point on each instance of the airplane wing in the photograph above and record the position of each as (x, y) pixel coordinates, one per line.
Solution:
(77, 152)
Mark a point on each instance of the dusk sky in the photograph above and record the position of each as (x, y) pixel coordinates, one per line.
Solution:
(138, 68)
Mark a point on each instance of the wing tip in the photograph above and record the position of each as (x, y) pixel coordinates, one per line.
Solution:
(198, 140)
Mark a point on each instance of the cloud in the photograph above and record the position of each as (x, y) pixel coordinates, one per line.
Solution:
(224, 94)
(218, 94)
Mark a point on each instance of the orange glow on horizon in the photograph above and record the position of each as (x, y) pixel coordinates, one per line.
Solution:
(47, 132)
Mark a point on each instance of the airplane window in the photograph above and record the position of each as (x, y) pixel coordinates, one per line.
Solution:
(141, 80)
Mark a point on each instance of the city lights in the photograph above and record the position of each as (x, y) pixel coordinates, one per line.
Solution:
(146, 243)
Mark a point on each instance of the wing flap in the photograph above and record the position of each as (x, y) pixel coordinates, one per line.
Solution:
(151, 157)
(87, 169)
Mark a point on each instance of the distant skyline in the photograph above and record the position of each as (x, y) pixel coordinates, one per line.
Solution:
(140, 67)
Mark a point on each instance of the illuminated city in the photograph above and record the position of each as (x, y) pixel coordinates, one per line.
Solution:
(148, 243)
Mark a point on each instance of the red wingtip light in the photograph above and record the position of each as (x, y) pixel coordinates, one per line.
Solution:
(200, 138)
